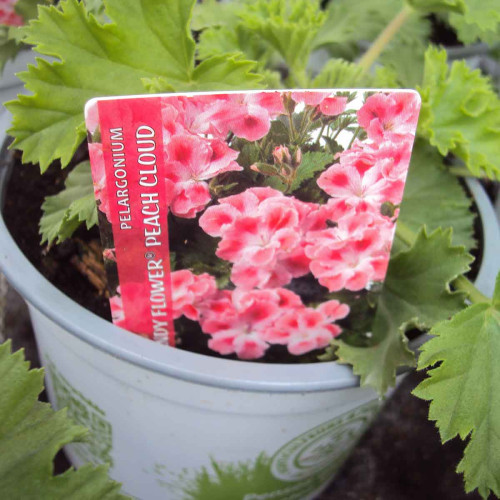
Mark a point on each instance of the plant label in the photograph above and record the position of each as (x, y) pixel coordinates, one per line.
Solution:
(251, 224)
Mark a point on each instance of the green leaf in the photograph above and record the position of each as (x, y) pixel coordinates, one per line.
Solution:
(428, 6)
(288, 26)
(416, 293)
(346, 24)
(407, 62)
(338, 73)
(461, 113)
(144, 40)
(31, 434)
(312, 162)
(464, 389)
(210, 13)
(28, 9)
(226, 72)
(435, 198)
(481, 20)
(65, 211)
(8, 47)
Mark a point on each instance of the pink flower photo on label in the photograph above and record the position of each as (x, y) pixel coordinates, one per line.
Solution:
(280, 210)
(8, 15)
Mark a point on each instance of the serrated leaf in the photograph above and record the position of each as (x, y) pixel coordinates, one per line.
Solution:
(8, 47)
(436, 6)
(227, 72)
(464, 389)
(31, 434)
(96, 60)
(407, 62)
(461, 113)
(415, 293)
(338, 73)
(27, 9)
(210, 13)
(435, 198)
(312, 162)
(65, 211)
(481, 20)
(288, 26)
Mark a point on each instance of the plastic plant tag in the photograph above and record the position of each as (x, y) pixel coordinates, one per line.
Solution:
(259, 223)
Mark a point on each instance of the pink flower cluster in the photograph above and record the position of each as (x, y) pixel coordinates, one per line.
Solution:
(8, 15)
(188, 292)
(244, 322)
(247, 322)
(262, 233)
(369, 174)
(328, 105)
(195, 131)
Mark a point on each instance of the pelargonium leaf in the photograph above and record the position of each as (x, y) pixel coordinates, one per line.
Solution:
(27, 9)
(339, 73)
(31, 434)
(406, 59)
(312, 162)
(210, 13)
(460, 113)
(464, 389)
(66, 210)
(288, 26)
(481, 20)
(143, 40)
(8, 47)
(416, 293)
(428, 6)
(435, 198)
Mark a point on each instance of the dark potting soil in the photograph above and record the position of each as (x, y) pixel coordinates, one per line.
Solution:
(22, 211)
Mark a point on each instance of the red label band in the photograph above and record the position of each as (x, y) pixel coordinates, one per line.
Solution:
(131, 135)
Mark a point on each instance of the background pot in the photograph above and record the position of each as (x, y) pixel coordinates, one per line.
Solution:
(155, 412)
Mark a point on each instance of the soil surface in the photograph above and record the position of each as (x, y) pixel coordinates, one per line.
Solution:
(400, 457)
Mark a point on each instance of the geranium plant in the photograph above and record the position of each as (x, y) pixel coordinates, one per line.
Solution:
(149, 46)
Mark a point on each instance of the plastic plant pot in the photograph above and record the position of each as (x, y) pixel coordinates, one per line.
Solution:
(174, 424)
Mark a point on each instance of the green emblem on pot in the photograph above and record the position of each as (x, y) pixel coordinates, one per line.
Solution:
(297, 470)
(323, 449)
(97, 448)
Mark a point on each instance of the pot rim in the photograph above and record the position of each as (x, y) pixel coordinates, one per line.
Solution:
(185, 365)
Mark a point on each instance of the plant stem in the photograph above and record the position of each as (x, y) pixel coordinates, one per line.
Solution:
(293, 133)
(461, 172)
(321, 133)
(475, 296)
(378, 46)
(353, 138)
(407, 236)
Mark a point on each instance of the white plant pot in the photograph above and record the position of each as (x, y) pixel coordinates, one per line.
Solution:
(160, 415)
